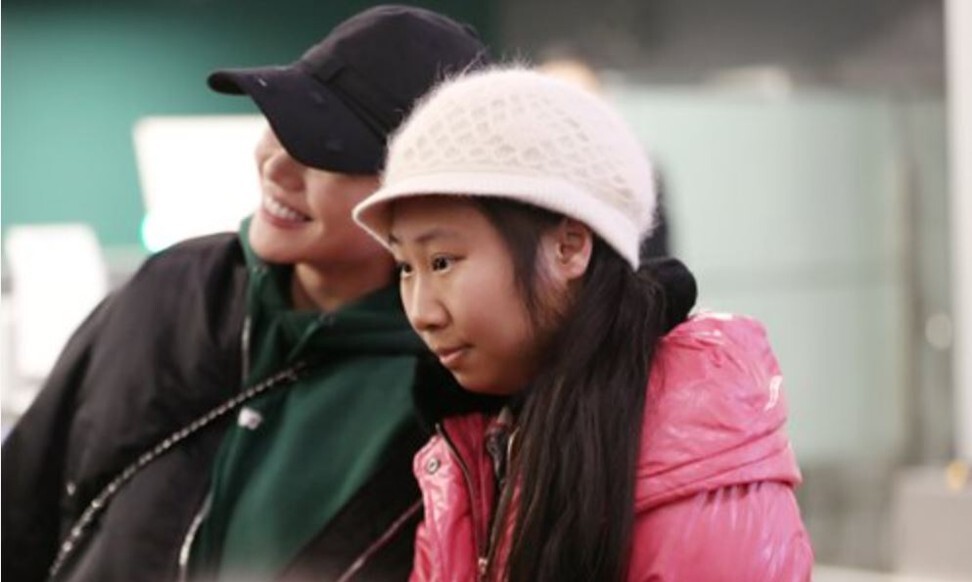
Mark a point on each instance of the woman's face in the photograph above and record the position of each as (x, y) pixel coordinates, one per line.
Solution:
(305, 213)
(460, 293)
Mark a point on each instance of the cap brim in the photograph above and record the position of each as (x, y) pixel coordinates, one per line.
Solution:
(374, 213)
(311, 122)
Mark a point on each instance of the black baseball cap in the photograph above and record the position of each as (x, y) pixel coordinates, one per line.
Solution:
(335, 106)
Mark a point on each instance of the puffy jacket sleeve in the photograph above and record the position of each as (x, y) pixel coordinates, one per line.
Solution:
(34, 461)
(737, 533)
(714, 493)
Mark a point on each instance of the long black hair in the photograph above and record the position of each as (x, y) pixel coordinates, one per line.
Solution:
(573, 458)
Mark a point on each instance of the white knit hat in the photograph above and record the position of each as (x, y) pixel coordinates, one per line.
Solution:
(521, 135)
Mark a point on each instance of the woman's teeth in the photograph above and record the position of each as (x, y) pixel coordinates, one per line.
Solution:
(280, 211)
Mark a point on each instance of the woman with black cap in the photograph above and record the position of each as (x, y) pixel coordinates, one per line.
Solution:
(241, 409)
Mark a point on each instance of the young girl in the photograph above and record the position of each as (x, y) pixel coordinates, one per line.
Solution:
(514, 204)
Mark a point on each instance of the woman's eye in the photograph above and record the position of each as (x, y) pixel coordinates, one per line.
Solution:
(441, 263)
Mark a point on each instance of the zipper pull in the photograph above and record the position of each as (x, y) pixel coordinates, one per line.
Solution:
(483, 565)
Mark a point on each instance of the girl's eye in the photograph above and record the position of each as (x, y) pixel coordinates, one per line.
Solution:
(403, 269)
(441, 263)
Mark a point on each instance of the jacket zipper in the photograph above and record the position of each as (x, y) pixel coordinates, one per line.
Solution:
(503, 497)
(381, 542)
(245, 350)
(482, 562)
(100, 502)
(185, 550)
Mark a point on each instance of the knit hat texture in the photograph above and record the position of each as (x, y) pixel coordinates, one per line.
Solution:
(525, 136)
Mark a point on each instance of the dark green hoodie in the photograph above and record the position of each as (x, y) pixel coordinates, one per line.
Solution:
(298, 454)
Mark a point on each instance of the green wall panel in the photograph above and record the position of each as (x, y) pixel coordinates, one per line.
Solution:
(77, 75)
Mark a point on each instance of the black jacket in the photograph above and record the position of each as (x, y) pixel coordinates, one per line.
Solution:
(151, 360)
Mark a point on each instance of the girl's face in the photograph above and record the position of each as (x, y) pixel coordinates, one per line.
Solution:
(460, 294)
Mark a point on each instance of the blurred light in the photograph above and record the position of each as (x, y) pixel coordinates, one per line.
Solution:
(197, 175)
(957, 476)
(153, 234)
(938, 331)
(573, 71)
(767, 80)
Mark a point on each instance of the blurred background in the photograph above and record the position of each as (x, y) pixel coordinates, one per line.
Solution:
(815, 157)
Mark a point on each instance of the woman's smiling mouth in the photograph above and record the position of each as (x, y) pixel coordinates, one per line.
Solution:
(277, 210)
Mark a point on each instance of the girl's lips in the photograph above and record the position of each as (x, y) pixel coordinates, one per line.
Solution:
(451, 356)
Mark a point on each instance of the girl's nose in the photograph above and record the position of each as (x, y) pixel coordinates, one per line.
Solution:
(424, 309)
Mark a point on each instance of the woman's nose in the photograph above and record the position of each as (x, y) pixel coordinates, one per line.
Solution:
(284, 171)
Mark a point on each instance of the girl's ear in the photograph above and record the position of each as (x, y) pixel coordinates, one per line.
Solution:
(568, 248)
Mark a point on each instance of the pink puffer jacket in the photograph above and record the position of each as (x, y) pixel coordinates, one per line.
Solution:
(714, 497)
